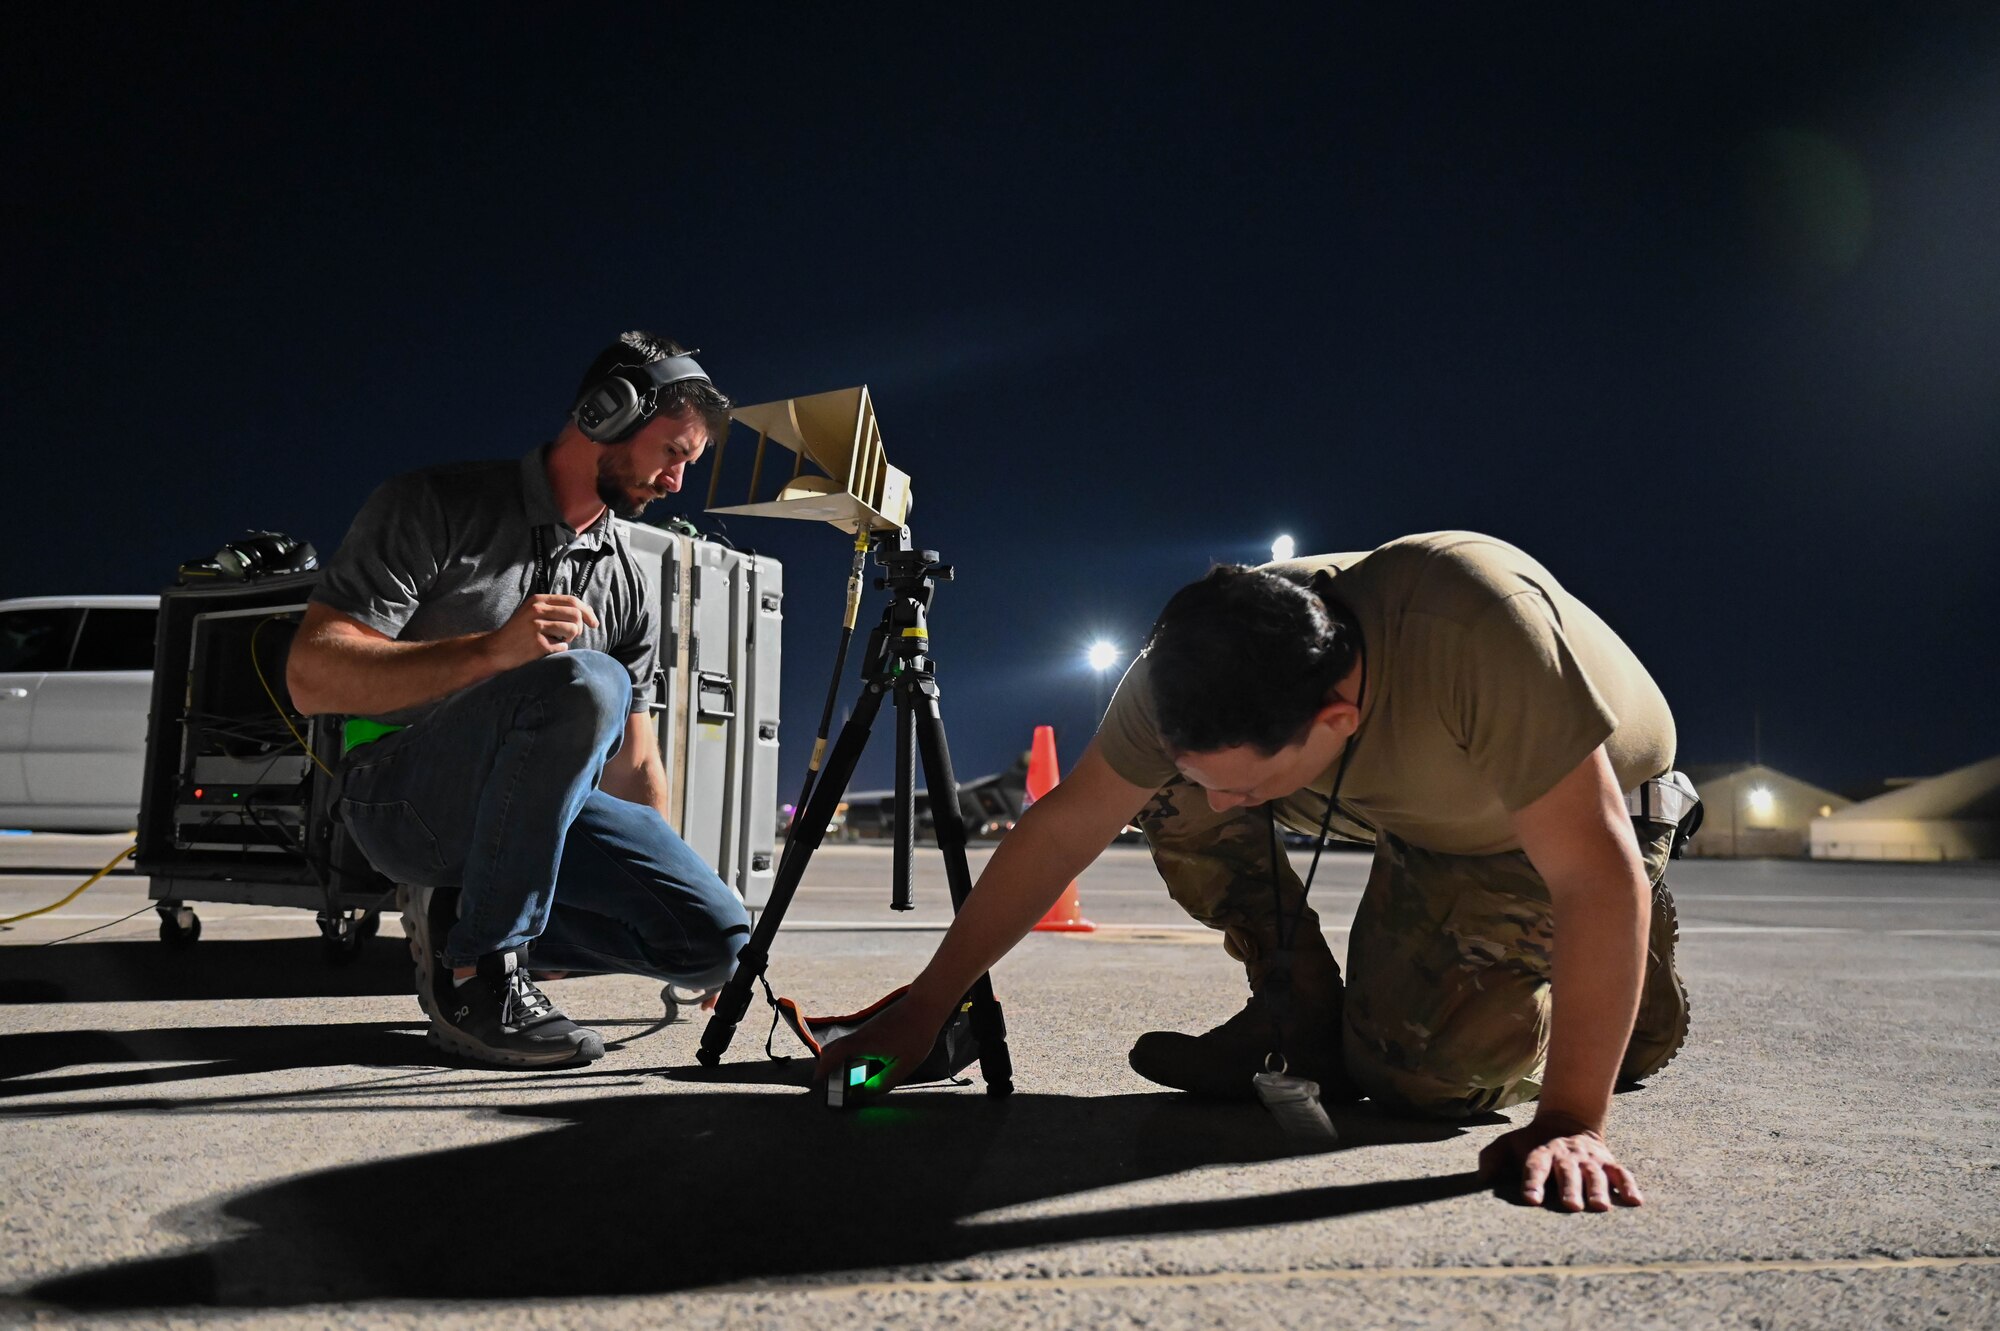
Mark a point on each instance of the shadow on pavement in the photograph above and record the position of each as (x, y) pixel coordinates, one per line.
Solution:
(27, 1058)
(124, 972)
(633, 1194)
(201, 1051)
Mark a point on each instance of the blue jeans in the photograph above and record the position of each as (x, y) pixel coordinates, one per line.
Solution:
(495, 792)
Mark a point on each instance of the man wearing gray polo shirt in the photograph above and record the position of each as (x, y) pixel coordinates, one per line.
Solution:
(488, 634)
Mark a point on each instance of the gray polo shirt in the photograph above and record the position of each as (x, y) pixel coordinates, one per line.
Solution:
(453, 550)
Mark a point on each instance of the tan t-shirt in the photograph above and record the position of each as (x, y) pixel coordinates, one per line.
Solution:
(1485, 683)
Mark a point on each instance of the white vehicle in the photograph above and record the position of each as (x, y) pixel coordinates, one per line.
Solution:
(76, 681)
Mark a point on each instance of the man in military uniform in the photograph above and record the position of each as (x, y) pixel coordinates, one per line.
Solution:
(1510, 759)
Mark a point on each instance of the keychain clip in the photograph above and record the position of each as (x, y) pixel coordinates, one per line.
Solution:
(1294, 1102)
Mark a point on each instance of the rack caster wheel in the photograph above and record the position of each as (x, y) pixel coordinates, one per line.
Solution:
(342, 935)
(180, 927)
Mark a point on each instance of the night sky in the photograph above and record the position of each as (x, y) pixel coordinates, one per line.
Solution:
(1699, 304)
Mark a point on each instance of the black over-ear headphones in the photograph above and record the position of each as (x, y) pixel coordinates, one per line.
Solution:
(617, 404)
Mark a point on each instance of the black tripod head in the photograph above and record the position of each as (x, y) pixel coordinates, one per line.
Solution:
(907, 572)
(910, 576)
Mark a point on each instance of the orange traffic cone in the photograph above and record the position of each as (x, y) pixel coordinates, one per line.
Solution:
(1066, 916)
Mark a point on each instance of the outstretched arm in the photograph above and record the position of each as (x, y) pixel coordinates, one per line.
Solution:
(339, 664)
(1055, 840)
(1579, 837)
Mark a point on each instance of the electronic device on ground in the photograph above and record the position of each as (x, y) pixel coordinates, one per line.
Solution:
(847, 1085)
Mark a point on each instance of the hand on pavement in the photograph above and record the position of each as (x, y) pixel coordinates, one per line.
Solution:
(1563, 1159)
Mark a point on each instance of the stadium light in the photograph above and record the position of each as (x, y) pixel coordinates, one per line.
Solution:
(1102, 656)
(1284, 548)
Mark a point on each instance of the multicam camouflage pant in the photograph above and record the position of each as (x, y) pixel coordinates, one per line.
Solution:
(1446, 1002)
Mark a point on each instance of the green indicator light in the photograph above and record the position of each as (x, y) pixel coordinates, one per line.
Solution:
(886, 1114)
(857, 1074)
(236, 794)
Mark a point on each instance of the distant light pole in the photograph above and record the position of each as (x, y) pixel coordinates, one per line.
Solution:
(1283, 548)
(1101, 656)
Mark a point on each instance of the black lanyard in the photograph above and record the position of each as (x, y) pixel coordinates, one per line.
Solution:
(548, 562)
(543, 579)
(1286, 928)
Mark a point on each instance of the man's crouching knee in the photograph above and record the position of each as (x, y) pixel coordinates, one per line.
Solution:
(587, 683)
(578, 699)
(699, 951)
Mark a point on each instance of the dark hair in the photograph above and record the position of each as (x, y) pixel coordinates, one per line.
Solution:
(1246, 656)
(639, 347)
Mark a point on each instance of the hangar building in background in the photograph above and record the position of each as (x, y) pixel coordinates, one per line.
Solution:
(1951, 817)
(1749, 809)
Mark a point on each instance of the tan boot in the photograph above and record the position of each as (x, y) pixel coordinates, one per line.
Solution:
(1219, 1063)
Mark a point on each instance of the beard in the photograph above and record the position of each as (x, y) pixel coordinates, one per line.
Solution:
(617, 494)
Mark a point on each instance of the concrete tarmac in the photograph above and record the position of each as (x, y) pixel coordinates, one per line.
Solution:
(241, 1133)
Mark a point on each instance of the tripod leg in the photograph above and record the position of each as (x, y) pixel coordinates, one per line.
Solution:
(996, 1063)
(814, 819)
(900, 867)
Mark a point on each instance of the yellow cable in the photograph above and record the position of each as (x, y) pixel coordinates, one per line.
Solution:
(277, 706)
(10, 919)
(854, 575)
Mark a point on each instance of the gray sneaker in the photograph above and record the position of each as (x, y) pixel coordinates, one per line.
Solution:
(498, 1016)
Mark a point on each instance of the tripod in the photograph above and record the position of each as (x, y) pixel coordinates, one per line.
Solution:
(897, 662)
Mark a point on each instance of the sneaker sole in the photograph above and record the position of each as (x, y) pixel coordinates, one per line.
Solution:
(448, 1038)
(417, 928)
(451, 1040)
